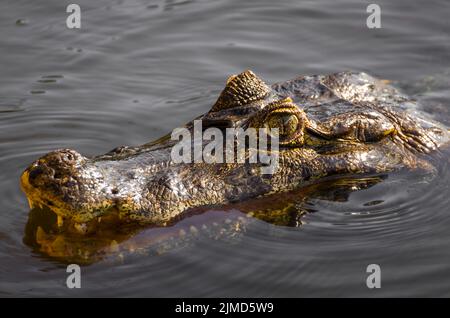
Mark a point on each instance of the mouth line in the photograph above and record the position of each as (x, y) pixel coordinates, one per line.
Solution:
(66, 217)
(110, 219)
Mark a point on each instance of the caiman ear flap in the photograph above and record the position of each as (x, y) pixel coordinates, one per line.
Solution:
(240, 90)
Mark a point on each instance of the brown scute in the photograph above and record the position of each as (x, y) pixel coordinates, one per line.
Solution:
(240, 90)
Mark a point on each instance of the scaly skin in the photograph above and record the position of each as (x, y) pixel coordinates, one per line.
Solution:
(338, 124)
(226, 224)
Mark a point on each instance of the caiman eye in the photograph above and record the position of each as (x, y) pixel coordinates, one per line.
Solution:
(287, 124)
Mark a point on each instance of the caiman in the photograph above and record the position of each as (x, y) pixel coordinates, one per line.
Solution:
(341, 124)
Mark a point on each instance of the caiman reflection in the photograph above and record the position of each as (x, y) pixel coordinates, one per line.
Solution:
(331, 125)
(227, 223)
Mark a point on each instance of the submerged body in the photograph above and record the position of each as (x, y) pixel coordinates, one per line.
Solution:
(338, 124)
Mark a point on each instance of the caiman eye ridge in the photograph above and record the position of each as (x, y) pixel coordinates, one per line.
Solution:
(352, 124)
(241, 90)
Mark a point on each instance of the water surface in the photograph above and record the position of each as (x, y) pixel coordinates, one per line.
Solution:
(138, 68)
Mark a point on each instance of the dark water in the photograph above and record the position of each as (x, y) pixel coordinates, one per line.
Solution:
(138, 68)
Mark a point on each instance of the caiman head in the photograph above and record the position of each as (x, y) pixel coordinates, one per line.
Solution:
(331, 125)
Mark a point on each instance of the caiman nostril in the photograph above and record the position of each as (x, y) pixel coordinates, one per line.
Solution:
(34, 173)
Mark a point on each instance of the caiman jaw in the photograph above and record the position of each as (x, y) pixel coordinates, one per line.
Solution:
(65, 217)
(53, 181)
(68, 219)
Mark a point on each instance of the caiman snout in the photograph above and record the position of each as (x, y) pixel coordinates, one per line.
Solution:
(57, 165)
(61, 181)
(85, 193)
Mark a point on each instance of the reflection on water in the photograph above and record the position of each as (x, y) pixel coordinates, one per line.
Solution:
(114, 244)
(46, 236)
(138, 68)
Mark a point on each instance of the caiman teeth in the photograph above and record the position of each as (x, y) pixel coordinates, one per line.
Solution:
(81, 227)
(114, 246)
(30, 203)
(41, 236)
(60, 221)
(193, 230)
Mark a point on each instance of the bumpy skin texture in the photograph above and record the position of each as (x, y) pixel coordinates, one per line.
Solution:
(338, 124)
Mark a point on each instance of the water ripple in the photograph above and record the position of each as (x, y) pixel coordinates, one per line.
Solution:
(138, 68)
